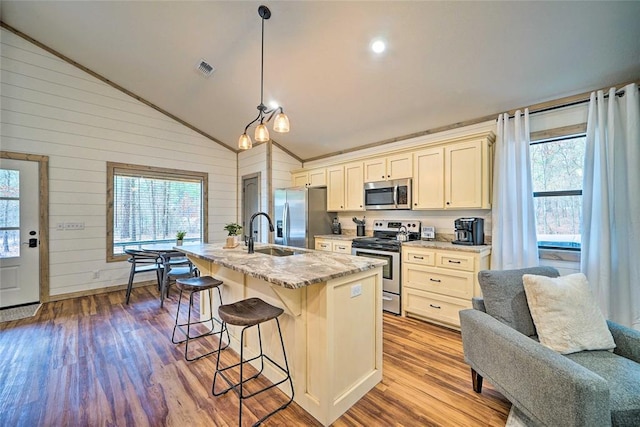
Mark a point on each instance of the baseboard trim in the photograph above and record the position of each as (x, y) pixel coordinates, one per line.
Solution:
(99, 291)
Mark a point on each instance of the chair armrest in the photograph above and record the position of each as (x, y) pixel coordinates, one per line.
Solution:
(548, 387)
(627, 341)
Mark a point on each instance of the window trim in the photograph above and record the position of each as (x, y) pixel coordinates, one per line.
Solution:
(551, 135)
(114, 168)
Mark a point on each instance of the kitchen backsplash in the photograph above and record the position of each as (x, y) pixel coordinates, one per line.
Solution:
(441, 220)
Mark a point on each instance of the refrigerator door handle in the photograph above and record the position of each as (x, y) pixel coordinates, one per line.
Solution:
(285, 224)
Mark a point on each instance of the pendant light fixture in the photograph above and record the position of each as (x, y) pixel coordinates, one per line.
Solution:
(281, 121)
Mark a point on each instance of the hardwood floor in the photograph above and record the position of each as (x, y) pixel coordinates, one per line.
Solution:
(93, 361)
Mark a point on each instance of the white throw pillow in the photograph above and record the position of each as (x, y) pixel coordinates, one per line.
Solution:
(566, 316)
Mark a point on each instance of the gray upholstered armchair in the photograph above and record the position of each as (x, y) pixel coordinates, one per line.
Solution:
(588, 388)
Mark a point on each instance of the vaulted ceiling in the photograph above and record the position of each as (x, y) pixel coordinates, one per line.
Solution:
(445, 62)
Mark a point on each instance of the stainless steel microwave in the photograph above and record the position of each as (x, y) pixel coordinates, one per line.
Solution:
(388, 195)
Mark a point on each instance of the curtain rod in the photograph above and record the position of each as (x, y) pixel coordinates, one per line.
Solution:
(587, 97)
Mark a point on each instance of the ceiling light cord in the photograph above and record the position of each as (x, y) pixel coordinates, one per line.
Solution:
(281, 122)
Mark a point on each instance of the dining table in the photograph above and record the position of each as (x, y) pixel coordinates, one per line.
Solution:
(180, 264)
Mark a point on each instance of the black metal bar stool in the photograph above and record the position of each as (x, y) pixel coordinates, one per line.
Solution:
(193, 285)
(251, 312)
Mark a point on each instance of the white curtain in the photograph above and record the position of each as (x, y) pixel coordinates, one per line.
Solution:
(514, 242)
(611, 204)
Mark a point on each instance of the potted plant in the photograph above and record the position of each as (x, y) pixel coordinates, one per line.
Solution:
(233, 230)
(180, 237)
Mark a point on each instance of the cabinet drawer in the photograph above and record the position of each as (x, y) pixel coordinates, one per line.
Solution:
(457, 284)
(417, 256)
(455, 261)
(433, 306)
(342, 247)
(323, 246)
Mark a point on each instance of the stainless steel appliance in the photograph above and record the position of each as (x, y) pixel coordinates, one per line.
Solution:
(469, 231)
(300, 214)
(385, 245)
(394, 194)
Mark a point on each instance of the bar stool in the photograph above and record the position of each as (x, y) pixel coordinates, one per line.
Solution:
(247, 313)
(193, 285)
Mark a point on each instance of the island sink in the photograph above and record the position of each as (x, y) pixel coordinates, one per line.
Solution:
(278, 251)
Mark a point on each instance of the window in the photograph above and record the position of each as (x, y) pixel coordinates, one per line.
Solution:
(556, 171)
(147, 205)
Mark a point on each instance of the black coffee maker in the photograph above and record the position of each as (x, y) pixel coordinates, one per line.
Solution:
(469, 231)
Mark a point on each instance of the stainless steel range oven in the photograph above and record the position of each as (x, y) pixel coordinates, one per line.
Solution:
(386, 245)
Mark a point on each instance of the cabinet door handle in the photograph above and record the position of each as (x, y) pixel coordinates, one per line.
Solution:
(454, 262)
(418, 257)
(435, 306)
(435, 280)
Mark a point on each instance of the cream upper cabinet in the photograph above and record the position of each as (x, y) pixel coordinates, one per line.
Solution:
(354, 187)
(428, 178)
(467, 171)
(335, 188)
(453, 176)
(345, 187)
(386, 168)
(310, 178)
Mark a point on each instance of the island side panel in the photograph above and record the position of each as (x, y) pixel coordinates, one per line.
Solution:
(344, 330)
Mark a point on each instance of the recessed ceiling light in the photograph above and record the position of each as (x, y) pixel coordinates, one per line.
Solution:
(378, 46)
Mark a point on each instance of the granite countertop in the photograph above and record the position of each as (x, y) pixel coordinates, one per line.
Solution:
(295, 271)
(346, 237)
(431, 244)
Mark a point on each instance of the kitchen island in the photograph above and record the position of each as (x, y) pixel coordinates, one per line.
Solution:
(332, 321)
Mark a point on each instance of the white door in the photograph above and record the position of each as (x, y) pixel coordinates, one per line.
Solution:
(19, 239)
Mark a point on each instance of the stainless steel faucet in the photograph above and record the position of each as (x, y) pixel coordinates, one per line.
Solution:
(250, 243)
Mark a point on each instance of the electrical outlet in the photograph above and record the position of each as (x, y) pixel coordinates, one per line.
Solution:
(356, 290)
(96, 274)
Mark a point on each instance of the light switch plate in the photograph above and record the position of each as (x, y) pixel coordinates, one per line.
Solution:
(428, 232)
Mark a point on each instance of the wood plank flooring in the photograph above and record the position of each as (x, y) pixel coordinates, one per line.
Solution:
(92, 361)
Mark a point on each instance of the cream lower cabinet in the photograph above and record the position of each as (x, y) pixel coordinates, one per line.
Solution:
(333, 245)
(437, 284)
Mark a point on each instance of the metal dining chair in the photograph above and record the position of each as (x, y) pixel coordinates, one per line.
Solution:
(174, 266)
(142, 262)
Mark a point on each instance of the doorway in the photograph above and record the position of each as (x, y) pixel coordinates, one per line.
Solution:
(251, 204)
(24, 219)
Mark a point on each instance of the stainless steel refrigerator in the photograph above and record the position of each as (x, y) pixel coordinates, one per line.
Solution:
(300, 214)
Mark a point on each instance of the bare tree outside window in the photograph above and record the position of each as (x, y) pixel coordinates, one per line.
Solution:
(556, 171)
(149, 205)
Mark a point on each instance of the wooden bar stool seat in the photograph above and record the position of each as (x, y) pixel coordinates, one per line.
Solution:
(248, 313)
(192, 285)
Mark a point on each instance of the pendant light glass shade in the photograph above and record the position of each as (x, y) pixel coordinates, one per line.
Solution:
(281, 123)
(262, 133)
(244, 143)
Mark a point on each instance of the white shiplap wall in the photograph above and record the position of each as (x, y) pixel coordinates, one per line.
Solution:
(282, 164)
(52, 108)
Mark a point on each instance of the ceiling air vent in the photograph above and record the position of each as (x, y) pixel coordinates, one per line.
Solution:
(204, 68)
